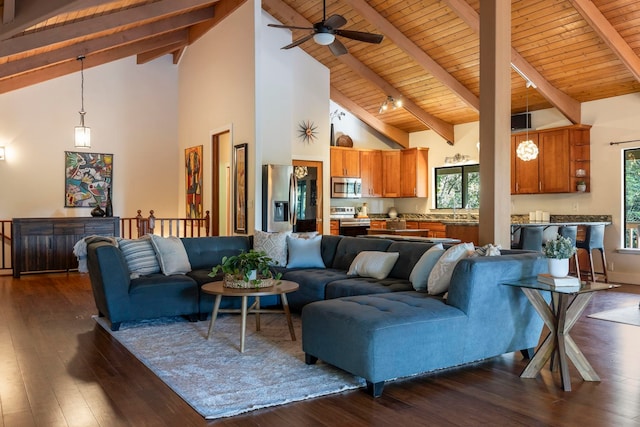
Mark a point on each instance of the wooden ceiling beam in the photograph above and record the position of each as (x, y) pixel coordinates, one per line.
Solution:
(152, 29)
(442, 128)
(414, 51)
(396, 135)
(8, 11)
(93, 60)
(222, 9)
(568, 106)
(149, 56)
(609, 35)
(30, 12)
(81, 28)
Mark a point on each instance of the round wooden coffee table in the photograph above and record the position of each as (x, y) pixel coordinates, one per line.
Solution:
(219, 290)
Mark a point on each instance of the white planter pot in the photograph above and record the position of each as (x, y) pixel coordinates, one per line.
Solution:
(558, 267)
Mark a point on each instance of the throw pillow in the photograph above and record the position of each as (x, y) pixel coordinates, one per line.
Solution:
(171, 254)
(373, 264)
(441, 273)
(305, 234)
(273, 244)
(139, 255)
(304, 253)
(420, 273)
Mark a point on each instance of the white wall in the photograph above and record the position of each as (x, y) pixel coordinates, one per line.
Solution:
(131, 110)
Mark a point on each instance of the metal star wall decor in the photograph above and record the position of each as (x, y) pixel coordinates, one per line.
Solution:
(307, 131)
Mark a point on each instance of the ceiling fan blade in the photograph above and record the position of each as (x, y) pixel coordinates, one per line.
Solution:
(360, 36)
(337, 48)
(298, 42)
(334, 21)
(291, 27)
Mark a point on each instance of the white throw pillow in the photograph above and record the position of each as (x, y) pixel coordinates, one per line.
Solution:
(171, 254)
(420, 273)
(373, 264)
(441, 273)
(273, 244)
(139, 255)
(487, 250)
(305, 252)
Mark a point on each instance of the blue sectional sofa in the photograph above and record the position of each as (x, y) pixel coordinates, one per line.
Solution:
(379, 329)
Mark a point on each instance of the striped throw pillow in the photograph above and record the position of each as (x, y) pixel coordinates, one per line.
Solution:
(140, 256)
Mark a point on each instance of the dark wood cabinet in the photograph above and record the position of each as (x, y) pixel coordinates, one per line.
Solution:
(46, 244)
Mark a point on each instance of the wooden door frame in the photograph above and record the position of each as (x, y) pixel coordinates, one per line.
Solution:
(319, 207)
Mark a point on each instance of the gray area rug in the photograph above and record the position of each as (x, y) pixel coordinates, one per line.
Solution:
(628, 315)
(219, 381)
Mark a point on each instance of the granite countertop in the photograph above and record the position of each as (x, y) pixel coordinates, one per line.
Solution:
(516, 219)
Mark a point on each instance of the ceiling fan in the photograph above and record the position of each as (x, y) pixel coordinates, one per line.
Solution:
(325, 32)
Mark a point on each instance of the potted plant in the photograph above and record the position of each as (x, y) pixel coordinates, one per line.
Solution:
(246, 270)
(558, 251)
(581, 186)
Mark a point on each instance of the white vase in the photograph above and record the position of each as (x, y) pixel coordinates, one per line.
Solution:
(558, 267)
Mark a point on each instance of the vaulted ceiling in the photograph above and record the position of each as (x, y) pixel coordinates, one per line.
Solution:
(573, 51)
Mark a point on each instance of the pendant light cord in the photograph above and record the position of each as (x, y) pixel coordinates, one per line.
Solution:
(82, 112)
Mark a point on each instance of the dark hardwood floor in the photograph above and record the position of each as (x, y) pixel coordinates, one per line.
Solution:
(58, 368)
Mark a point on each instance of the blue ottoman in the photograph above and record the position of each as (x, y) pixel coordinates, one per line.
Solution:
(384, 336)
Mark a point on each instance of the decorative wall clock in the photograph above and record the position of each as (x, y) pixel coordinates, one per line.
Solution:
(307, 131)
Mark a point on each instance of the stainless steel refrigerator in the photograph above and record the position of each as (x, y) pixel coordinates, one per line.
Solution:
(279, 195)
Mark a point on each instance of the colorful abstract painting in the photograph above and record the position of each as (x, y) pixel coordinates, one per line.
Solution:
(193, 181)
(87, 178)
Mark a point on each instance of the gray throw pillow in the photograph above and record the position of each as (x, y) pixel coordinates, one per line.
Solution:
(420, 273)
(304, 252)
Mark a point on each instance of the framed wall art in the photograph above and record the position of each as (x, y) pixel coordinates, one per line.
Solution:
(87, 176)
(193, 181)
(240, 188)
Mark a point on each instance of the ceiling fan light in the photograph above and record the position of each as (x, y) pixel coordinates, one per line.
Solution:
(324, 39)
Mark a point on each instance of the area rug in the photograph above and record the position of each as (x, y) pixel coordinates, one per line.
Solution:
(215, 378)
(628, 315)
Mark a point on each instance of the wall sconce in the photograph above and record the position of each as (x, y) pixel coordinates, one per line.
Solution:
(390, 102)
(82, 132)
(456, 159)
(2, 153)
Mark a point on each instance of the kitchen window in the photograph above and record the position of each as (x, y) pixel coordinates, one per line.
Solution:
(632, 198)
(457, 187)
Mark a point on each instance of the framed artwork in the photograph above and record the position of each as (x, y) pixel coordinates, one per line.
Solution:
(193, 181)
(240, 188)
(87, 176)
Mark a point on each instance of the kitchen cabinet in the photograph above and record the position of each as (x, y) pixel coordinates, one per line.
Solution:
(391, 173)
(464, 232)
(46, 244)
(414, 172)
(413, 225)
(334, 227)
(345, 162)
(436, 229)
(371, 173)
(563, 160)
(378, 224)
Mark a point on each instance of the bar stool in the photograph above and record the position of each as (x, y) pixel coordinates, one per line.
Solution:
(594, 240)
(530, 238)
(571, 232)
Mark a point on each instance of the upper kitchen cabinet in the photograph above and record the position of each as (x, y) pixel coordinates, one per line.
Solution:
(371, 173)
(414, 172)
(391, 173)
(563, 161)
(345, 162)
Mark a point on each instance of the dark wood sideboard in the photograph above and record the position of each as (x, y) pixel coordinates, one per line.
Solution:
(46, 244)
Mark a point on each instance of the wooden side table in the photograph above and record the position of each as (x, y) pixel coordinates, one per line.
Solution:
(567, 304)
(219, 290)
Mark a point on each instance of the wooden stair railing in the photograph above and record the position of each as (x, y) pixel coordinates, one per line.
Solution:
(5, 245)
(138, 226)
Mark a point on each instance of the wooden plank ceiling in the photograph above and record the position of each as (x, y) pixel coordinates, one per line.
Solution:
(573, 51)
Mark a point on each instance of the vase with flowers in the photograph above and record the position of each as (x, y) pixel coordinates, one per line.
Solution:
(558, 251)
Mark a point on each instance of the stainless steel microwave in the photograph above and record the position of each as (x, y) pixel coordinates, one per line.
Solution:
(346, 188)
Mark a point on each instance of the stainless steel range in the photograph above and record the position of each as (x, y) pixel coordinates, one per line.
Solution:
(349, 224)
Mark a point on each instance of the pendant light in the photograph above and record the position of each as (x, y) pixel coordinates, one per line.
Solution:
(527, 150)
(82, 133)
